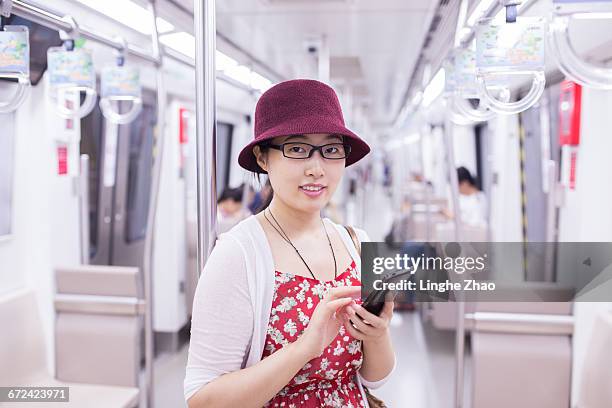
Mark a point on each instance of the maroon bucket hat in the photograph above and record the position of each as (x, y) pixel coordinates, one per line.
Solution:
(297, 107)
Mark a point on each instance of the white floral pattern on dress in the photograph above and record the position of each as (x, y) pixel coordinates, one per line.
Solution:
(328, 380)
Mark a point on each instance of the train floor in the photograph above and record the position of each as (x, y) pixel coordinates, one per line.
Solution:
(424, 377)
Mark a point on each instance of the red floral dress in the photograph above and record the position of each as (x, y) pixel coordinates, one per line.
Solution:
(330, 379)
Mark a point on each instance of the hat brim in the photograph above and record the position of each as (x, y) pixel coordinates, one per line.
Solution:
(359, 148)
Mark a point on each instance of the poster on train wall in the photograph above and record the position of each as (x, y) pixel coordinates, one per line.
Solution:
(511, 46)
(71, 68)
(464, 73)
(6, 173)
(14, 51)
(450, 84)
(120, 82)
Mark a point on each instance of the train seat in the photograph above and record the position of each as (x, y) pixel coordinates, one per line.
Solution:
(595, 390)
(22, 349)
(97, 325)
(521, 354)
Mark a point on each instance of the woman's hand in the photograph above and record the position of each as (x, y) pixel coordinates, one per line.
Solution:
(366, 326)
(325, 321)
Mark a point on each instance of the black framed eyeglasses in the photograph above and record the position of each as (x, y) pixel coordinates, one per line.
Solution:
(298, 150)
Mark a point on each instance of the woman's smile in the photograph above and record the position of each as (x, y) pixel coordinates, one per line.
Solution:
(313, 190)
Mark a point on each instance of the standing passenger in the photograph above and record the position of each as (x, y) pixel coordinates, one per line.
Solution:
(274, 320)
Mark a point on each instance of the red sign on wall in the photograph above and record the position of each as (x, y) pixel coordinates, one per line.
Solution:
(570, 102)
(183, 116)
(572, 171)
(62, 160)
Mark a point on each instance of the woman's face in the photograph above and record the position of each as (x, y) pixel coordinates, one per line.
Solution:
(292, 179)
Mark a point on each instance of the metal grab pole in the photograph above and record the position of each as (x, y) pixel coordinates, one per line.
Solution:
(452, 173)
(151, 217)
(425, 190)
(206, 146)
(84, 207)
(49, 18)
(460, 327)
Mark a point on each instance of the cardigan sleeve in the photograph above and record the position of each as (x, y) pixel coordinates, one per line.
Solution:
(222, 317)
(364, 237)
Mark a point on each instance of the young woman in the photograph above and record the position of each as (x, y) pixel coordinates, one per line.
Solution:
(275, 322)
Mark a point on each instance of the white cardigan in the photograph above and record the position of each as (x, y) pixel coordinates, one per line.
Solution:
(233, 301)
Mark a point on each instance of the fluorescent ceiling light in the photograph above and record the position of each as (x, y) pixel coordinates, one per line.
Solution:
(239, 73)
(223, 62)
(181, 41)
(463, 34)
(416, 100)
(185, 44)
(412, 138)
(434, 88)
(600, 15)
(129, 14)
(463, 7)
(260, 82)
(479, 11)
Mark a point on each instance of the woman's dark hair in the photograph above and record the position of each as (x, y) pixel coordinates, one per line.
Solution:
(267, 200)
(234, 194)
(464, 174)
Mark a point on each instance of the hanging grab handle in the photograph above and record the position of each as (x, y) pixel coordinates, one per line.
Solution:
(14, 59)
(120, 118)
(462, 107)
(81, 110)
(70, 73)
(508, 108)
(570, 63)
(23, 86)
(120, 84)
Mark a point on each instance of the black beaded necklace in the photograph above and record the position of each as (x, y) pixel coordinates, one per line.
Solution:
(286, 238)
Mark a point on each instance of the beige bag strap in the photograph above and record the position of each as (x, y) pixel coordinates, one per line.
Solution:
(353, 235)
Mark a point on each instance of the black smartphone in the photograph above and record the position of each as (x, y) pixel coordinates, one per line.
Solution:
(375, 301)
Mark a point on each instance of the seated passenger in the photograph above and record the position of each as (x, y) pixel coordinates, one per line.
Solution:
(472, 201)
(229, 209)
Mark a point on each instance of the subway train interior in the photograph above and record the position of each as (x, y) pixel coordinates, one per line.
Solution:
(121, 122)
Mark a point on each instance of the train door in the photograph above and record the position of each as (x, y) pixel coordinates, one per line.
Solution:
(119, 184)
(484, 166)
(7, 157)
(539, 163)
(134, 171)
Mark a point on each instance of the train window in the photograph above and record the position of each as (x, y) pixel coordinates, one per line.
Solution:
(139, 173)
(6, 173)
(41, 38)
(92, 129)
(224, 151)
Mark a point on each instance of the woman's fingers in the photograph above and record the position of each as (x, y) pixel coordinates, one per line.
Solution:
(332, 306)
(358, 323)
(352, 330)
(370, 318)
(387, 311)
(344, 291)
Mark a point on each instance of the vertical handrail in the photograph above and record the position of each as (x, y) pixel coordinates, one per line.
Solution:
(460, 326)
(323, 60)
(425, 190)
(206, 143)
(551, 216)
(452, 173)
(84, 207)
(151, 216)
